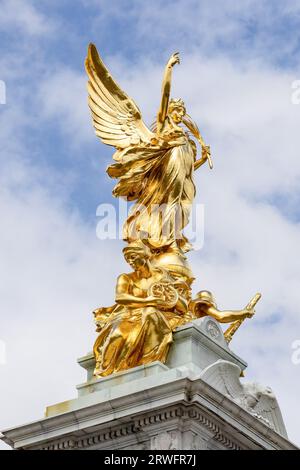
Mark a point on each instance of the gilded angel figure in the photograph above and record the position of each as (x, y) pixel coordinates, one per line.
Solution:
(154, 167)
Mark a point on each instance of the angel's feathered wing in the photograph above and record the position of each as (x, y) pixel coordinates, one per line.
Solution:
(268, 407)
(116, 118)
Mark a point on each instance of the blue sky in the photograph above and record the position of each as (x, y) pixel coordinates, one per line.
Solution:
(238, 63)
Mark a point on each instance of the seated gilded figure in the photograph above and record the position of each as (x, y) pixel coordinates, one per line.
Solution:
(137, 329)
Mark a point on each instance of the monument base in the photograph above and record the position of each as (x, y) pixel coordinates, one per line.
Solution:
(194, 401)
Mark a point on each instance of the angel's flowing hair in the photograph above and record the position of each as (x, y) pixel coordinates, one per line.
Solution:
(187, 121)
(192, 126)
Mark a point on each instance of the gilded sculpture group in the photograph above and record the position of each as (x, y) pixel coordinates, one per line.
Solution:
(154, 169)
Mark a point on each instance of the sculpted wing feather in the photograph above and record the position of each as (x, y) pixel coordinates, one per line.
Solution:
(224, 376)
(116, 118)
(268, 407)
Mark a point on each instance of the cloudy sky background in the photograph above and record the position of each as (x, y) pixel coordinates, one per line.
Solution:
(238, 64)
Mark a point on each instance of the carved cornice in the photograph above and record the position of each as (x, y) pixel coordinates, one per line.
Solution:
(146, 425)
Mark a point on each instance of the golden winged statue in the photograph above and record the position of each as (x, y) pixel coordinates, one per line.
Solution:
(154, 169)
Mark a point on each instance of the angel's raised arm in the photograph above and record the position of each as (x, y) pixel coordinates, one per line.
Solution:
(165, 92)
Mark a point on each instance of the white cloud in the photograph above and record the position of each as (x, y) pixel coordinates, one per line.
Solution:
(248, 29)
(53, 273)
(22, 15)
(63, 96)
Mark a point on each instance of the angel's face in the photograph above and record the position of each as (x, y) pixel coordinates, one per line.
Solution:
(177, 114)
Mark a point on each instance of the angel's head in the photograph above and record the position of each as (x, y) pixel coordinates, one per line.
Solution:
(176, 110)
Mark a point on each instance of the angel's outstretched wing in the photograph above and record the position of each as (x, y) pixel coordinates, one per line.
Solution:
(116, 118)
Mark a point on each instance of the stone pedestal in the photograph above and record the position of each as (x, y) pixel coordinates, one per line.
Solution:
(194, 401)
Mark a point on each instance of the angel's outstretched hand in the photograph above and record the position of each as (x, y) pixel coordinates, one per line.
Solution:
(174, 59)
(205, 152)
(249, 313)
